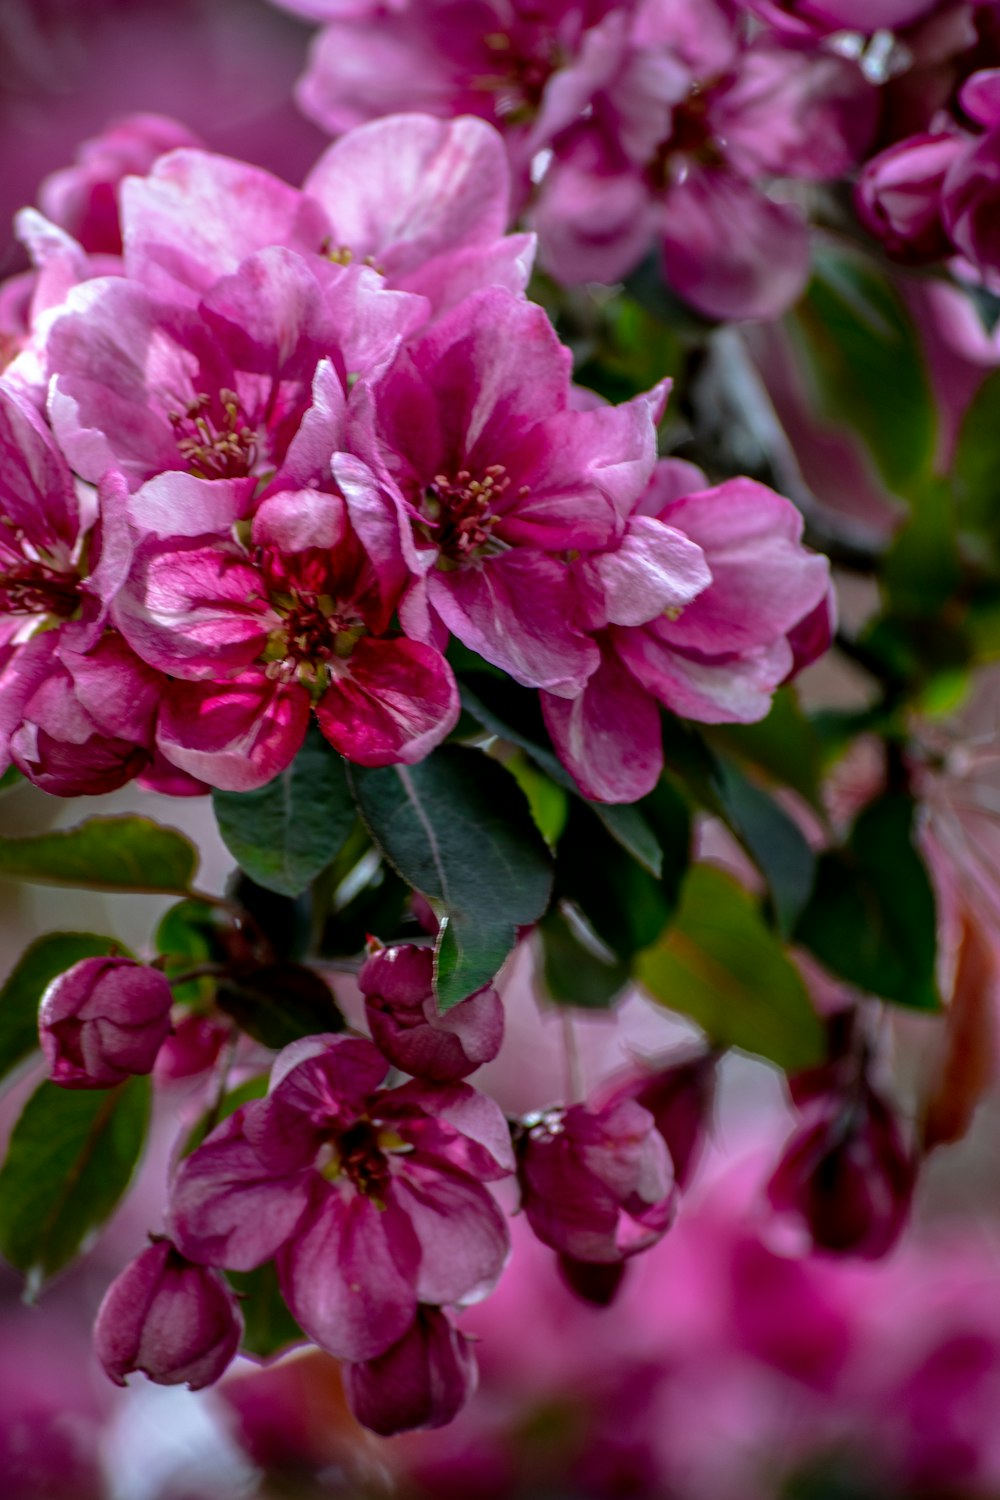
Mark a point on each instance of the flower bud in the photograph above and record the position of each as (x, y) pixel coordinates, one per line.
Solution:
(102, 1020)
(172, 1320)
(405, 1025)
(596, 1184)
(971, 203)
(898, 196)
(424, 1380)
(847, 1174)
(680, 1099)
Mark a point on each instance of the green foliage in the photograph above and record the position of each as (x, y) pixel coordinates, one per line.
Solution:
(71, 1157)
(867, 365)
(253, 1088)
(279, 1003)
(577, 968)
(457, 828)
(104, 854)
(872, 918)
(44, 961)
(720, 965)
(976, 469)
(285, 833)
(269, 1326)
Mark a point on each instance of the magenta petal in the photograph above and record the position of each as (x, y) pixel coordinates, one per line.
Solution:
(406, 188)
(349, 1275)
(453, 1122)
(729, 250)
(515, 611)
(423, 1381)
(234, 735)
(390, 703)
(462, 1233)
(37, 497)
(726, 689)
(228, 1209)
(654, 569)
(609, 737)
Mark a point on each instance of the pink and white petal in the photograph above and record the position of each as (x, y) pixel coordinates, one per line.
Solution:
(477, 1138)
(297, 520)
(721, 690)
(196, 216)
(349, 1275)
(320, 433)
(227, 1209)
(763, 580)
(390, 703)
(515, 610)
(671, 480)
(23, 670)
(609, 738)
(234, 735)
(116, 689)
(655, 568)
(37, 497)
(176, 504)
(194, 609)
(408, 187)
(448, 279)
(381, 520)
(729, 250)
(462, 1233)
(595, 220)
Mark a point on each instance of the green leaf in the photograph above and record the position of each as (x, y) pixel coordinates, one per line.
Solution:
(10, 780)
(785, 745)
(47, 958)
(577, 971)
(512, 713)
(269, 1326)
(189, 935)
(279, 1004)
(872, 918)
(721, 966)
(548, 802)
(867, 363)
(71, 1157)
(285, 833)
(458, 828)
(106, 854)
(976, 466)
(921, 570)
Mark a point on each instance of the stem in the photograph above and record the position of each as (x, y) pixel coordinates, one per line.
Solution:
(200, 971)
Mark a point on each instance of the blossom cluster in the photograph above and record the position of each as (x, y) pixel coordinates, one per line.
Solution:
(264, 464)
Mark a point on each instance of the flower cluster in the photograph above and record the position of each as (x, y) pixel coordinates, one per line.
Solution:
(648, 125)
(262, 465)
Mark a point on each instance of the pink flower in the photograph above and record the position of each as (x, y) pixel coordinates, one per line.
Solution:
(83, 198)
(371, 1200)
(258, 636)
(971, 203)
(596, 1184)
(680, 1097)
(716, 658)
(422, 1381)
(495, 477)
(401, 1010)
(898, 195)
(810, 17)
(174, 1321)
(424, 202)
(678, 148)
(102, 1021)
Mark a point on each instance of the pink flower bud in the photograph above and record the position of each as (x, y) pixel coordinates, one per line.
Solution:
(422, 1381)
(596, 1184)
(102, 1020)
(680, 1098)
(898, 196)
(405, 1025)
(172, 1320)
(847, 1174)
(971, 203)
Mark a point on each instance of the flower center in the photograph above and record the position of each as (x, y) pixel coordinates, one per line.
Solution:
(31, 586)
(521, 76)
(214, 438)
(691, 138)
(315, 632)
(457, 514)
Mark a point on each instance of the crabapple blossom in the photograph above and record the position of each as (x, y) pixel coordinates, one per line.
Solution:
(596, 1183)
(176, 1322)
(370, 1200)
(102, 1021)
(401, 1010)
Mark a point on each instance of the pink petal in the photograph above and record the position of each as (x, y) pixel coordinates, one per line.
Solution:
(391, 703)
(234, 735)
(462, 1233)
(609, 737)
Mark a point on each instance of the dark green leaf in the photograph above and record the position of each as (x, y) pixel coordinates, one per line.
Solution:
(774, 842)
(38, 966)
(866, 360)
(107, 854)
(624, 904)
(189, 935)
(279, 1004)
(285, 833)
(270, 1327)
(71, 1157)
(458, 828)
(512, 713)
(721, 966)
(871, 919)
(976, 466)
(785, 745)
(577, 971)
